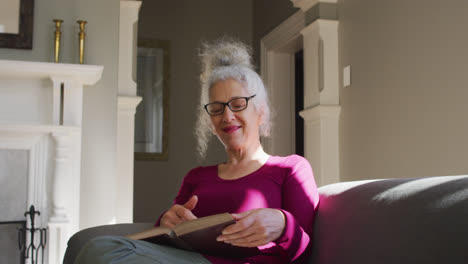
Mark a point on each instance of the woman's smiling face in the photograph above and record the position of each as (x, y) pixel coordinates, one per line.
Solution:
(236, 130)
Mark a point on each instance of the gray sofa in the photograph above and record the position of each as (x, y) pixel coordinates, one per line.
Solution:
(412, 220)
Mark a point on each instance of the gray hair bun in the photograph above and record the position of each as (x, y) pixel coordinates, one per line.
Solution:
(223, 53)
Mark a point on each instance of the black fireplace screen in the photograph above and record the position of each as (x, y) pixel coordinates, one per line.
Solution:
(32, 240)
(19, 242)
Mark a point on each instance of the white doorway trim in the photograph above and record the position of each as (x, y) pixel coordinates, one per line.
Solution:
(321, 113)
(277, 70)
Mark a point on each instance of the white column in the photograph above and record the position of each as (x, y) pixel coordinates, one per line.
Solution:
(59, 220)
(329, 94)
(61, 177)
(125, 157)
(321, 142)
(127, 103)
(321, 99)
(128, 47)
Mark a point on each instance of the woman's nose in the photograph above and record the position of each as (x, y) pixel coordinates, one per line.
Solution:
(228, 114)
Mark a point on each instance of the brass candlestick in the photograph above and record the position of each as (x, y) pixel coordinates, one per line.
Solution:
(82, 38)
(58, 34)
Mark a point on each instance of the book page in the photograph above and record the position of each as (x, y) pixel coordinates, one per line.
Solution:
(202, 223)
(155, 231)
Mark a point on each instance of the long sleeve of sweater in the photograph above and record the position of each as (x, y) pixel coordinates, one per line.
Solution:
(299, 202)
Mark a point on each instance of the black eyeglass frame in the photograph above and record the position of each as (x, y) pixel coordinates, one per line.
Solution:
(227, 104)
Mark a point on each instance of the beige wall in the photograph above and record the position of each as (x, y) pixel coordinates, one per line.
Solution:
(405, 114)
(184, 23)
(43, 43)
(98, 168)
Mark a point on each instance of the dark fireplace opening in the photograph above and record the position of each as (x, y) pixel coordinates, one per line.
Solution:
(10, 239)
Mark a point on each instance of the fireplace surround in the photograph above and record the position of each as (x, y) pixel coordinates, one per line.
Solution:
(30, 113)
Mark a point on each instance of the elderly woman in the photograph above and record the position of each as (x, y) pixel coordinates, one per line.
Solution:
(272, 198)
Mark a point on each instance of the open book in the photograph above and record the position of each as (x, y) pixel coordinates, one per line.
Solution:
(197, 235)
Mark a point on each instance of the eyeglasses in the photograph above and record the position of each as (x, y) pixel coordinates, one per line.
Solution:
(236, 105)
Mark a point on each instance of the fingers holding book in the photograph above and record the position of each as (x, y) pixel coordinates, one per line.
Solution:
(254, 228)
(179, 213)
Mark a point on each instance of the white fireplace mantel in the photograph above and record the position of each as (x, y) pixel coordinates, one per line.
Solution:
(73, 77)
(34, 98)
(86, 74)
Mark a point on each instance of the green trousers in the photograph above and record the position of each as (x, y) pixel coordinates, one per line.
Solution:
(116, 250)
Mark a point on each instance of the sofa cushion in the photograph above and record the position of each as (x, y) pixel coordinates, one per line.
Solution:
(414, 220)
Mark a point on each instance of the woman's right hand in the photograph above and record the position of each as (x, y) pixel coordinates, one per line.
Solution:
(179, 213)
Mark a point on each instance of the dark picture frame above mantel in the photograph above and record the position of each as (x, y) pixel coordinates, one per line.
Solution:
(24, 38)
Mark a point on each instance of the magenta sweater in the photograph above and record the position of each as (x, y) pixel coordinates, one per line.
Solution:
(285, 183)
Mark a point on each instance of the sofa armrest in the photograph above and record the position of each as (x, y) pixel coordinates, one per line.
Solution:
(79, 239)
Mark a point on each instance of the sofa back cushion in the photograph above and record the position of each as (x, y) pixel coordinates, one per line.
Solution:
(414, 220)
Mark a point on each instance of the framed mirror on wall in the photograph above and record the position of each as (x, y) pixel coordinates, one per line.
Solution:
(16, 24)
(152, 114)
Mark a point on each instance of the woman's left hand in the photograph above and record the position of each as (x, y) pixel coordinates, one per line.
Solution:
(254, 228)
